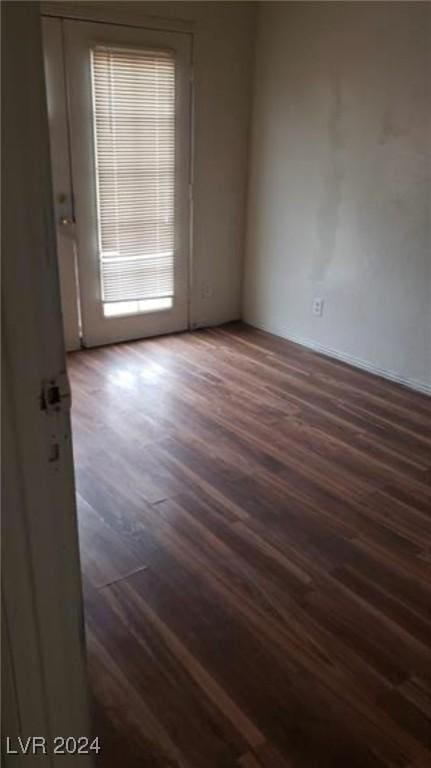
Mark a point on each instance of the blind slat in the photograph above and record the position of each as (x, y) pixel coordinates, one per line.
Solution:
(134, 129)
(126, 278)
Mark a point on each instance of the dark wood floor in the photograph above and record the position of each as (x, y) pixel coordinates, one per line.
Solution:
(255, 526)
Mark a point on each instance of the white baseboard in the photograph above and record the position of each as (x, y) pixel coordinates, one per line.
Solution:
(357, 362)
(199, 325)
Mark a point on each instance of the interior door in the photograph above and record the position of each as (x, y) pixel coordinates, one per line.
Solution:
(129, 116)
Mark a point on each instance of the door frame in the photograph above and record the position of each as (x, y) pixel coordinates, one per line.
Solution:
(56, 93)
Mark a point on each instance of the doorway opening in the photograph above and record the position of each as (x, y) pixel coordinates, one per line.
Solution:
(119, 110)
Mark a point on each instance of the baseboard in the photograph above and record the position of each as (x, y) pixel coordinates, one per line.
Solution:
(357, 362)
(200, 325)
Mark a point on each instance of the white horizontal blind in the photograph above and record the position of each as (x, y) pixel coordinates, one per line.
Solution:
(134, 130)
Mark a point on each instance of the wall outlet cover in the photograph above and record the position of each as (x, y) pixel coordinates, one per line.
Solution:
(318, 306)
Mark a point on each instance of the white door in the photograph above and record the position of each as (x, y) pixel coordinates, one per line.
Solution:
(128, 94)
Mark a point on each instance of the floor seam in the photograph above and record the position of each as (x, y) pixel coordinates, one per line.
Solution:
(123, 578)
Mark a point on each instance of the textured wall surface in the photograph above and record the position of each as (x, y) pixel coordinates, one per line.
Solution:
(339, 203)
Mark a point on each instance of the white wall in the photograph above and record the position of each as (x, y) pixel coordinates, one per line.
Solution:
(339, 202)
(223, 36)
(223, 55)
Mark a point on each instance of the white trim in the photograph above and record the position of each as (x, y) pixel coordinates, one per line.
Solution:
(124, 14)
(61, 179)
(345, 357)
(215, 323)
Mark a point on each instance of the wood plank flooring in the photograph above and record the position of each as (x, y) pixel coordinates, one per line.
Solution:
(255, 532)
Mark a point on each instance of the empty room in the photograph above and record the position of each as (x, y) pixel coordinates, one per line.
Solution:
(216, 529)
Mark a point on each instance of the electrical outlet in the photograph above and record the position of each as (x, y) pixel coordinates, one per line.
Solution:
(318, 307)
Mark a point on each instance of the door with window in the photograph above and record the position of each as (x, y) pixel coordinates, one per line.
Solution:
(128, 113)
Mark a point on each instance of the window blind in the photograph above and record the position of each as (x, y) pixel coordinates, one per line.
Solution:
(134, 136)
